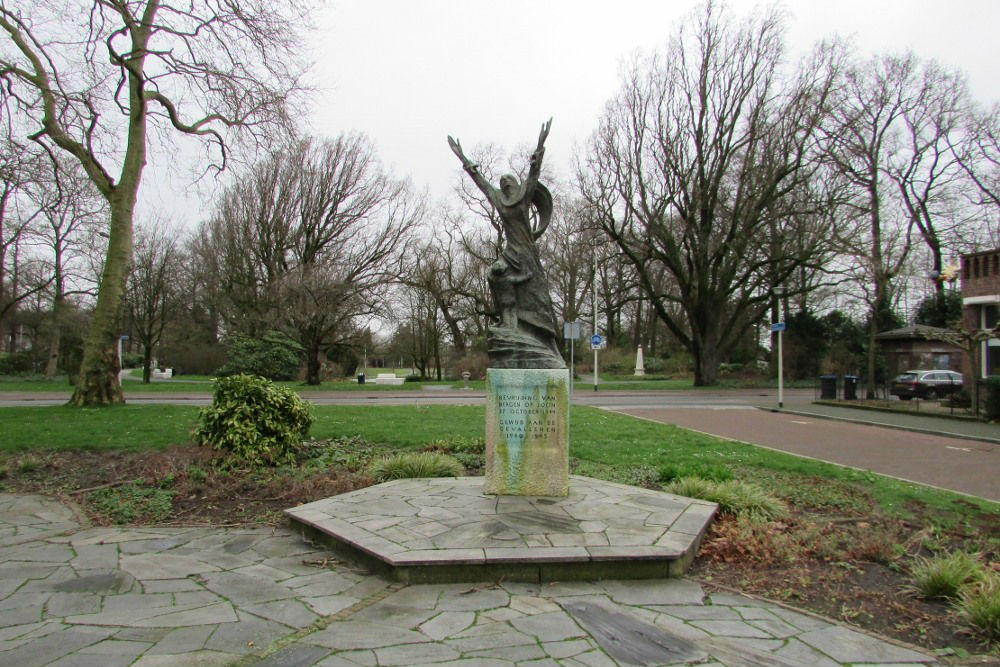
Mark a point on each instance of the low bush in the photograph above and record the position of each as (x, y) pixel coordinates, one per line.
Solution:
(714, 471)
(461, 444)
(979, 605)
(17, 363)
(413, 465)
(132, 503)
(991, 397)
(741, 539)
(645, 476)
(253, 421)
(351, 452)
(944, 576)
(274, 356)
(733, 497)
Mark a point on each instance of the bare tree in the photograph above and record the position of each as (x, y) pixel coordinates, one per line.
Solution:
(95, 89)
(151, 289)
(977, 151)
(20, 169)
(866, 138)
(311, 240)
(436, 268)
(692, 169)
(71, 213)
(925, 170)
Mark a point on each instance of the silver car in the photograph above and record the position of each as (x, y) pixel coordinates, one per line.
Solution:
(926, 384)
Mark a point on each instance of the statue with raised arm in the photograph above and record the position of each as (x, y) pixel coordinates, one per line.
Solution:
(525, 334)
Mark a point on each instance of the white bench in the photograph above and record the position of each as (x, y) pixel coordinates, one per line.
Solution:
(388, 378)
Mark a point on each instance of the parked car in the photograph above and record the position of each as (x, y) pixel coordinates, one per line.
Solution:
(925, 384)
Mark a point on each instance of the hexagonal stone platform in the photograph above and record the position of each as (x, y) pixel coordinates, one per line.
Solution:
(448, 530)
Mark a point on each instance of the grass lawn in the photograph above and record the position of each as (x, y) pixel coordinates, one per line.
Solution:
(125, 427)
(598, 438)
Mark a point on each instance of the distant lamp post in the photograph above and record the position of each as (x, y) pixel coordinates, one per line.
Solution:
(779, 327)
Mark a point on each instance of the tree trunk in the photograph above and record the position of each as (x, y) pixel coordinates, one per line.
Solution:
(454, 327)
(312, 365)
(98, 383)
(147, 364)
(52, 362)
(706, 363)
(870, 382)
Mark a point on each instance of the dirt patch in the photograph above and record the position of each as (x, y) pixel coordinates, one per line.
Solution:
(201, 492)
(826, 569)
(834, 555)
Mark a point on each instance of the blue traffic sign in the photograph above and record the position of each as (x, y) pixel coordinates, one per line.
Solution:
(595, 340)
(778, 326)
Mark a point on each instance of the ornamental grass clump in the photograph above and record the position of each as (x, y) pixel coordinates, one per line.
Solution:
(414, 465)
(979, 605)
(943, 577)
(253, 421)
(733, 497)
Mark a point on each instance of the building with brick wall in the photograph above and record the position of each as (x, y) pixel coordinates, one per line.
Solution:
(916, 348)
(981, 302)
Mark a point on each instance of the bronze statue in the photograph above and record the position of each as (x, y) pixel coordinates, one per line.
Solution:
(525, 335)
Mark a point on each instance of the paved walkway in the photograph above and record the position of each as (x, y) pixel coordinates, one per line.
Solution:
(73, 596)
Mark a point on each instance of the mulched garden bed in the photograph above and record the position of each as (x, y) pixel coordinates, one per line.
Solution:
(833, 556)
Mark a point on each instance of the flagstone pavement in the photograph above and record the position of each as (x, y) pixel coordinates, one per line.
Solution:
(76, 596)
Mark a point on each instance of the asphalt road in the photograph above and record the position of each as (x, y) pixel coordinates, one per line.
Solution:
(954, 463)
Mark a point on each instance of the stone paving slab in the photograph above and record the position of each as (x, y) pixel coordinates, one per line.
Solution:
(600, 530)
(285, 602)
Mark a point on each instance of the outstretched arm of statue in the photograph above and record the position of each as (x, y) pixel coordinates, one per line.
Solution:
(470, 167)
(535, 168)
(543, 135)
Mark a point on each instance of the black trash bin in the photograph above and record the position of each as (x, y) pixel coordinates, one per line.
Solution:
(850, 387)
(828, 387)
(361, 378)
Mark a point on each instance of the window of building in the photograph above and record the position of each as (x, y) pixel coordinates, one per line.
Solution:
(990, 316)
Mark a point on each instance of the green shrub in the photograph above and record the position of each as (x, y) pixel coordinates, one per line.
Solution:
(991, 397)
(274, 356)
(944, 576)
(352, 452)
(411, 465)
(130, 503)
(17, 363)
(461, 444)
(733, 497)
(644, 476)
(132, 360)
(254, 421)
(470, 460)
(979, 605)
(713, 471)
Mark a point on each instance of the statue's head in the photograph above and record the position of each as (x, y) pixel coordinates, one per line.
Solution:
(508, 185)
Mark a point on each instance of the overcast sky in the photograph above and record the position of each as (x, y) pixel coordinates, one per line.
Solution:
(409, 73)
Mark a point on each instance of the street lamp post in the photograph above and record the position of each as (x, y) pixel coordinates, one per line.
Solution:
(781, 374)
(779, 327)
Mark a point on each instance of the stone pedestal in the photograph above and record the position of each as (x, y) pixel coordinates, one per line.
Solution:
(527, 432)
